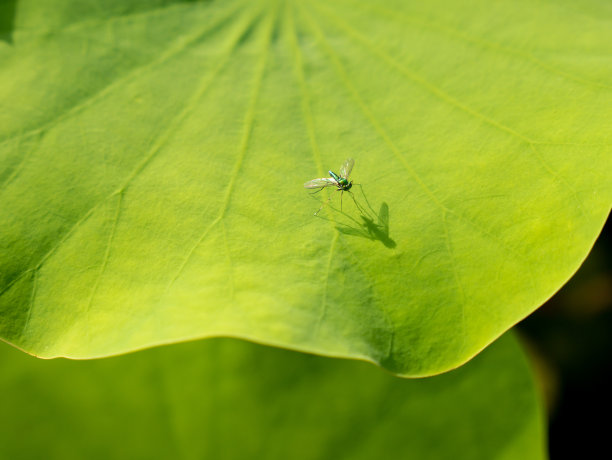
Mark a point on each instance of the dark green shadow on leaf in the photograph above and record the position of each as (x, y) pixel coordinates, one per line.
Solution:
(7, 20)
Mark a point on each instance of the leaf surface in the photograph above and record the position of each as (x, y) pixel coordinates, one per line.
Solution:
(152, 156)
(224, 398)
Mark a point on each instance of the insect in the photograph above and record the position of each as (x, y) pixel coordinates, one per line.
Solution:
(340, 181)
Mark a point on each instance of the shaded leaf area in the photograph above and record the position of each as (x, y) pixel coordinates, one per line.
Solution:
(152, 156)
(7, 19)
(225, 398)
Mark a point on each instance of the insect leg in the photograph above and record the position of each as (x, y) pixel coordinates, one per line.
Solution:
(328, 199)
(312, 193)
(366, 200)
(361, 209)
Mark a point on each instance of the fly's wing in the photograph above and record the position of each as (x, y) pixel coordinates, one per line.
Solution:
(347, 167)
(323, 182)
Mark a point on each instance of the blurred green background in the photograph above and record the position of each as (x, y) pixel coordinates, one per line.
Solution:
(570, 343)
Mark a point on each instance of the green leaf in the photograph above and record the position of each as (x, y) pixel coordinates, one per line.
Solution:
(230, 399)
(152, 156)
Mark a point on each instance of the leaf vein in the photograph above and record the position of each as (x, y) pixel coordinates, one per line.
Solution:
(31, 301)
(173, 49)
(430, 87)
(483, 43)
(324, 302)
(106, 256)
(458, 285)
(247, 129)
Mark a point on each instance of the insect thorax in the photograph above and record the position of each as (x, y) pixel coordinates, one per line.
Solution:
(344, 184)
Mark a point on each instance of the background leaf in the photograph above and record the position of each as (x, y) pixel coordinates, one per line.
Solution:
(229, 399)
(152, 156)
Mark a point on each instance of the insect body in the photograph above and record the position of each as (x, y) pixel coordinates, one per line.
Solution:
(340, 181)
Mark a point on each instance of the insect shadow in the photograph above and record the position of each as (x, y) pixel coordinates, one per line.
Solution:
(373, 225)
